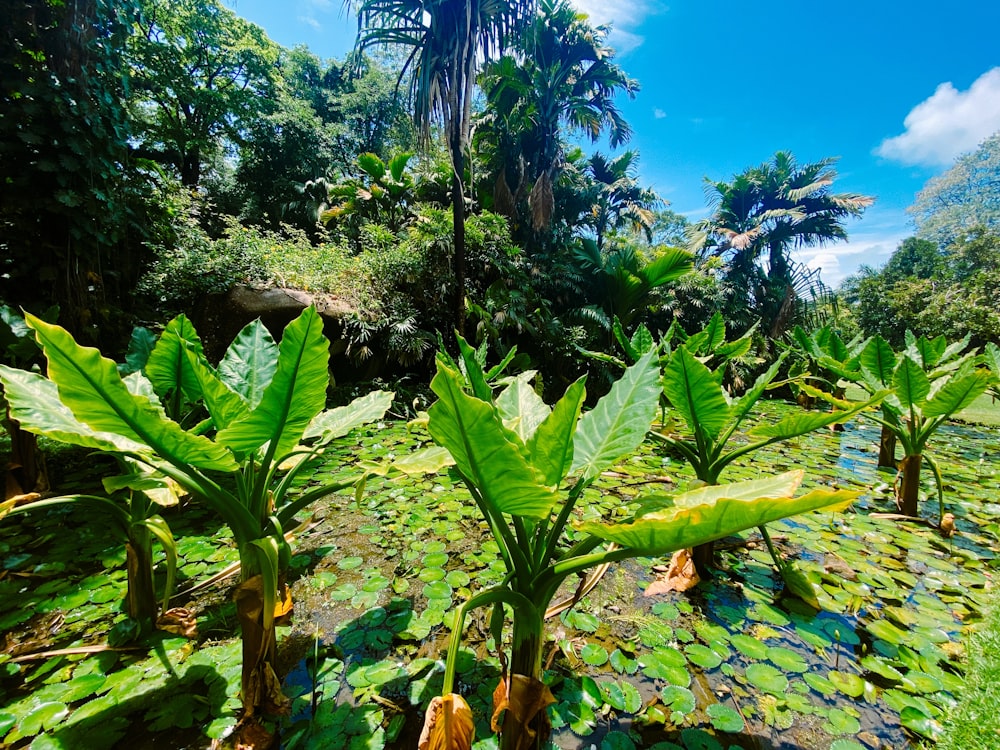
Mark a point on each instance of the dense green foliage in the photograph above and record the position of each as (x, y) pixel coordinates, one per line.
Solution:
(952, 292)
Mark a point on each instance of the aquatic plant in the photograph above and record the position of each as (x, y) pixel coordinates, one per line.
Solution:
(526, 466)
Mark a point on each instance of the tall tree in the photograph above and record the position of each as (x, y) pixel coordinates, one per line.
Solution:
(964, 197)
(762, 216)
(63, 136)
(200, 76)
(619, 200)
(562, 77)
(446, 41)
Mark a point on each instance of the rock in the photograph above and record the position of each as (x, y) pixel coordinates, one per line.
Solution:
(221, 317)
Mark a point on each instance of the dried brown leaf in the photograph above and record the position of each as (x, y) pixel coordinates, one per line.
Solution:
(680, 576)
(448, 724)
(179, 621)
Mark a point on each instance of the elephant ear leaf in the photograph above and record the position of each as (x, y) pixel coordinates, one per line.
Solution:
(90, 386)
(878, 360)
(693, 390)
(617, 425)
(551, 447)
(717, 511)
(910, 383)
(334, 423)
(167, 367)
(957, 394)
(295, 395)
(485, 452)
(34, 403)
(249, 363)
(521, 408)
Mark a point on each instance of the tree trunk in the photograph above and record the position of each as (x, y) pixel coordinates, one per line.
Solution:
(191, 168)
(458, 217)
(887, 449)
(140, 601)
(526, 724)
(908, 490)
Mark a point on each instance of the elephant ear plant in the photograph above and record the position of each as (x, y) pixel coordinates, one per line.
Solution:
(931, 381)
(712, 419)
(526, 467)
(263, 401)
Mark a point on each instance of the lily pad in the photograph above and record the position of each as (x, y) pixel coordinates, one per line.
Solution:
(594, 654)
(703, 656)
(725, 718)
(767, 678)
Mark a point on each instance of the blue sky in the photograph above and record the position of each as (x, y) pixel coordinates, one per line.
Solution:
(896, 90)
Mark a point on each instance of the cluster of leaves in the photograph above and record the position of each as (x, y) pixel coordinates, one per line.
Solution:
(932, 291)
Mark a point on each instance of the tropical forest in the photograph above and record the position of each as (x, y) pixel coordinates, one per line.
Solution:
(378, 403)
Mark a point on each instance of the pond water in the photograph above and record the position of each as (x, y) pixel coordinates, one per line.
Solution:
(731, 664)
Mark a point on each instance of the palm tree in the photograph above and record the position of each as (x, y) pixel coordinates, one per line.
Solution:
(765, 213)
(445, 42)
(562, 77)
(619, 200)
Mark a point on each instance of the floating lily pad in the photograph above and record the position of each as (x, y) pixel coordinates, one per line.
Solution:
(839, 721)
(847, 683)
(725, 718)
(748, 646)
(703, 656)
(623, 664)
(917, 721)
(594, 654)
(617, 741)
(767, 678)
(786, 659)
(679, 699)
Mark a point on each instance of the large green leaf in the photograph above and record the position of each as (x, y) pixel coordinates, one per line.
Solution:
(957, 394)
(484, 450)
(521, 408)
(334, 423)
(551, 447)
(670, 264)
(719, 511)
(249, 363)
(224, 405)
(34, 403)
(91, 387)
(910, 383)
(295, 395)
(617, 425)
(693, 391)
(746, 402)
(167, 367)
(879, 360)
(801, 423)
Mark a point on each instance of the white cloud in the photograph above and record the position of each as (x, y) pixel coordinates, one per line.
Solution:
(840, 260)
(948, 124)
(659, 114)
(626, 17)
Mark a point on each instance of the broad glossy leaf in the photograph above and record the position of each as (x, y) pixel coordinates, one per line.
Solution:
(689, 523)
(295, 395)
(34, 403)
(693, 391)
(746, 402)
(334, 423)
(521, 408)
(910, 383)
(484, 451)
(474, 370)
(550, 449)
(670, 264)
(249, 363)
(957, 394)
(224, 405)
(140, 346)
(618, 423)
(91, 387)
(801, 423)
(879, 360)
(167, 367)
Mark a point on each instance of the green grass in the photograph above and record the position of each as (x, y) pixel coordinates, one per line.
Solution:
(975, 722)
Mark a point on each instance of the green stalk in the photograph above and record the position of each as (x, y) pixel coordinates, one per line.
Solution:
(496, 595)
